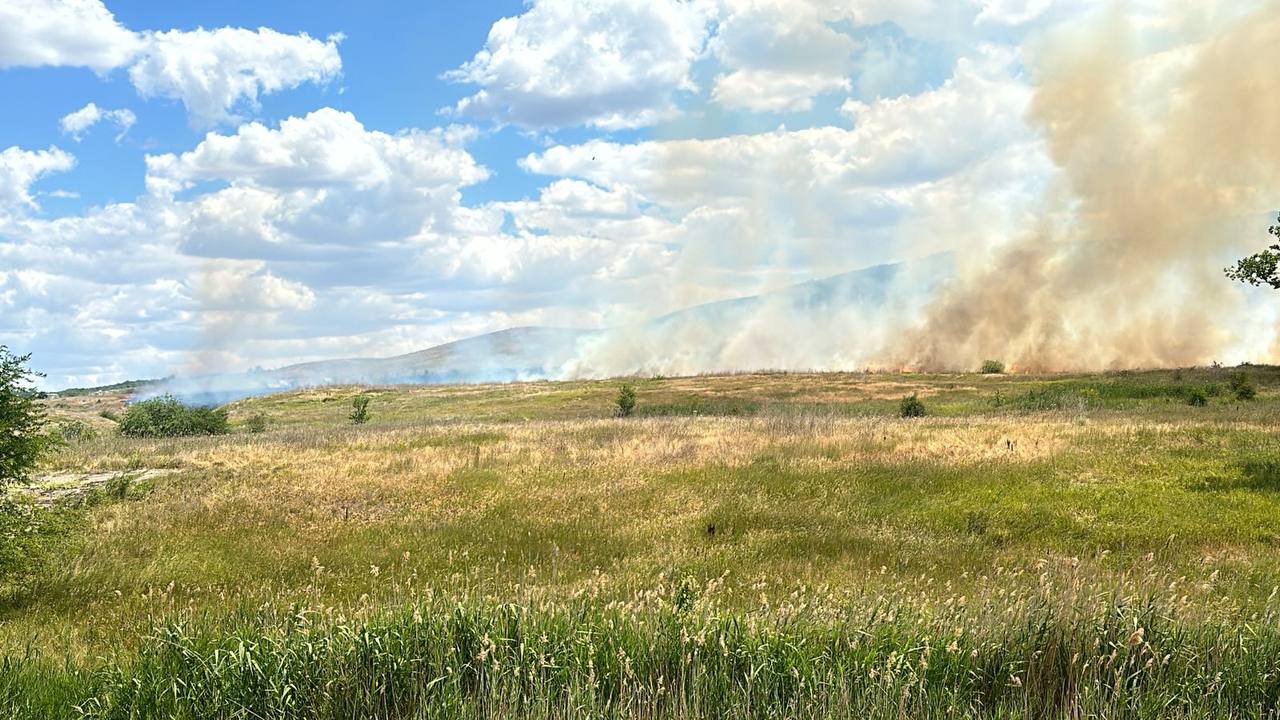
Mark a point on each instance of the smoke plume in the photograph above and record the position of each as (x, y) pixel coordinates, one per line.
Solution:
(1166, 162)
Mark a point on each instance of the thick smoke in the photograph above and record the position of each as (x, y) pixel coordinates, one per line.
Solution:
(1167, 161)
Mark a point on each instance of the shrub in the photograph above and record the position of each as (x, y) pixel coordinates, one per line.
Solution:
(256, 423)
(626, 400)
(165, 416)
(108, 415)
(22, 420)
(1197, 398)
(1242, 385)
(911, 407)
(992, 367)
(76, 431)
(359, 410)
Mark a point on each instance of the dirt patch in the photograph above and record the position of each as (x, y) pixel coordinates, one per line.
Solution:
(49, 490)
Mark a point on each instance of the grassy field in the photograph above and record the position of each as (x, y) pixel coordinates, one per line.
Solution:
(764, 545)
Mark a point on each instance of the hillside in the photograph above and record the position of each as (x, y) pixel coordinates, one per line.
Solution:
(529, 353)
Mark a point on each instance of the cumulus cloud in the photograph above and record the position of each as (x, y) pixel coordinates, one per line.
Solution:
(780, 55)
(215, 74)
(80, 33)
(20, 168)
(607, 63)
(77, 123)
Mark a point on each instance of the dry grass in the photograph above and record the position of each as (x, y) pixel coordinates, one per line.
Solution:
(764, 484)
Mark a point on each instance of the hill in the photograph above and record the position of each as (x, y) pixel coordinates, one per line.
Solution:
(530, 353)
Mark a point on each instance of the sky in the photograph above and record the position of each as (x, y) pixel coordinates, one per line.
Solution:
(199, 187)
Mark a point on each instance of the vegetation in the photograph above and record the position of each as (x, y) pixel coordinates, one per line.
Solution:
(771, 545)
(1242, 386)
(22, 419)
(911, 407)
(166, 416)
(72, 431)
(359, 410)
(626, 400)
(1197, 397)
(1260, 268)
(992, 367)
(256, 423)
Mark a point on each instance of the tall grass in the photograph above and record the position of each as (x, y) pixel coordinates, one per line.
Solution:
(669, 657)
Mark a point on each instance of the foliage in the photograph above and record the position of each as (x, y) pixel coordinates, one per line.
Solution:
(166, 416)
(73, 431)
(1242, 385)
(911, 407)
(992, 367)
(626, 400)
(1259, 268)
(1197, 398)
(22, 419)
(256, 423)
(27, 534)
(359, 410)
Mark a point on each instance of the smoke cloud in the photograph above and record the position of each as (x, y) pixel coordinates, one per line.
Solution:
(1167, 162)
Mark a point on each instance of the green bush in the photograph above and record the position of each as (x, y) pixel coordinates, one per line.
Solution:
(165, 416)
(626, 400)
(74, 431)
(359, 410)
(911, 407)
(108, 415)
(1197, 398)
(256, 423)
(1242, 385)
(992, 367)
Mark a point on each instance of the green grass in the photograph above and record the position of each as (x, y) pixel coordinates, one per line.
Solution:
(674, 655)
(854, 563)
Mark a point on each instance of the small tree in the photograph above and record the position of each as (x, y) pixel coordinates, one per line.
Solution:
(22, 420)
(911, 407)
(626, 400)
(360, 410)
(992, 367)
(1242, 385)
(1260, 268)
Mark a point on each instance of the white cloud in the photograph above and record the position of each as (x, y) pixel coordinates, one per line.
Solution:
(77, 123)
(324, 148)
(770, 91)
(813, 200)
(20, 168)
(780, 54)
(81, 33)
(607, 63)
(216, 72)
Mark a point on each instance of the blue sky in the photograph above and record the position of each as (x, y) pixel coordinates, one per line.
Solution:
(206, 187)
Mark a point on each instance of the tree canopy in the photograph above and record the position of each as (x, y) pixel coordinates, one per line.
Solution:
(22, 419)
(1260, 268)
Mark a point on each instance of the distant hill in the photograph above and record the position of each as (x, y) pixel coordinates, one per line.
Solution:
(528, 353)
